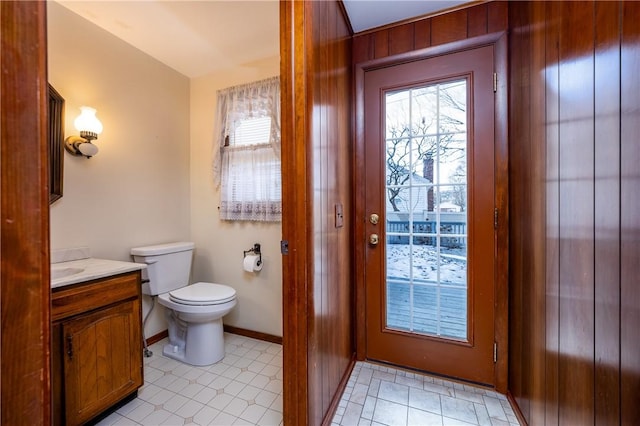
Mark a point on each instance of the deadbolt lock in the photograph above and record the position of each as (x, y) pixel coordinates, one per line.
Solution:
(374, 218)
(373, 239)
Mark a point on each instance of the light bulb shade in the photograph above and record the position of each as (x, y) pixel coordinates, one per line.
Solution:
(87, 121)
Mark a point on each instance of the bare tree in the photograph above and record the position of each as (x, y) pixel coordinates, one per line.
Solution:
(458, 193)
(401, 162)
(410, 144)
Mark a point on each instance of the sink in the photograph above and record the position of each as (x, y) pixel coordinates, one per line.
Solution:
(57, 273)
(88, 269)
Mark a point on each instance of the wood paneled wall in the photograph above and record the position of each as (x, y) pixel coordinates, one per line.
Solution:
(462, 29)
(24, 216)
(574, 121)
(575, 212)
(458, 25)
(316, 162)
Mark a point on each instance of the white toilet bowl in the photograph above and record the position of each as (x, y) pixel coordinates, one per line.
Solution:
(194, 317)
(194, 312)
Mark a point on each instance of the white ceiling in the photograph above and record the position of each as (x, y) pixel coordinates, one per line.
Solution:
(200, 37)
(367, 14)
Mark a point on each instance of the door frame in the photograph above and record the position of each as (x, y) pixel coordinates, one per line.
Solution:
(499, 42)
(24, 252)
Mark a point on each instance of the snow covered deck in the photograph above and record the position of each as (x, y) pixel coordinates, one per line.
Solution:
(436, 303)
(448, 318)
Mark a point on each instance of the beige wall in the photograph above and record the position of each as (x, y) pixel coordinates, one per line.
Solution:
(151, 182)
(219, 244)
(135, 191)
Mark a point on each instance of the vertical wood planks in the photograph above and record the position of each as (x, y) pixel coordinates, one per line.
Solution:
(576, 379)
(401, 39)
(552, 237)
(362, 48)
(319, 118)
(477, 21)
(528, 186)
(575, 207)
(497, 16)
(381, 44)
(318, 337)
(517, 157)
(422, 34)
(449, 27)
(295, 222)
(607, 213)
(591, 121)
(24, 223)
(453, 26)
(537, 161)
(630, 215)
(341, 326)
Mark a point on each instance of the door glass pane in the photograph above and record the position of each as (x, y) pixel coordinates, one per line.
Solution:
(424, 117)
(452, 117)
(397, 107)
(426, 210)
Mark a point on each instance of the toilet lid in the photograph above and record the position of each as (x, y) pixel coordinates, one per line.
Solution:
(203, 294)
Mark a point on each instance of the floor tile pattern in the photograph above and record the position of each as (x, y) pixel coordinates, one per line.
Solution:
(378, 395)
(245, 388)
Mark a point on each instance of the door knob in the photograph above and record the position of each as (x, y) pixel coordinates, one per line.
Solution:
(373, 239)
(374, 218)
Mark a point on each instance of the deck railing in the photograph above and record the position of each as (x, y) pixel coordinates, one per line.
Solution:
(425, 233)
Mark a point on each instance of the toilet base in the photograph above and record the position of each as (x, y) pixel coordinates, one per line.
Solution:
(203, 344)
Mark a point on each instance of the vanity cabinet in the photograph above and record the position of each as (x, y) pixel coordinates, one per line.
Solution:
(97, 346)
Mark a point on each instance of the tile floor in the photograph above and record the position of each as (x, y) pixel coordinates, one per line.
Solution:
(378, 395)
(245, 388)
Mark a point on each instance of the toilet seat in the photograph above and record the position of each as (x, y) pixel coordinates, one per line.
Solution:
(203, 294)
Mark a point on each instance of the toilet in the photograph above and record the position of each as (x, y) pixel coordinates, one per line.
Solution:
(194, 312)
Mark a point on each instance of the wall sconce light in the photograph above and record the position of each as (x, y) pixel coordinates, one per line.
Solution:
(89, 127)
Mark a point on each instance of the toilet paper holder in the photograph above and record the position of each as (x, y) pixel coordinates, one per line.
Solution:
(254, 250)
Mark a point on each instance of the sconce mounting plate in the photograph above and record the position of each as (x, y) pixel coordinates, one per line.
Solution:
(72, 146)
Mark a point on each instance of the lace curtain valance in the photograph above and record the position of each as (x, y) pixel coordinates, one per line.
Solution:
(247, 164)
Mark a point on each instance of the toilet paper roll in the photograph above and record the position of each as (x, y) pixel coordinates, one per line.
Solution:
(252, 263)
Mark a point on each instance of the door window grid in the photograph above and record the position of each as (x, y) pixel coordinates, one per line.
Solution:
(435, 233)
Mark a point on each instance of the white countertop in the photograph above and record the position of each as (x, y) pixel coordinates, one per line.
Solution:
(76, 271)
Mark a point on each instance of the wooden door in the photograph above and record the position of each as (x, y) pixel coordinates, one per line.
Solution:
(430, 214)
(102, 360)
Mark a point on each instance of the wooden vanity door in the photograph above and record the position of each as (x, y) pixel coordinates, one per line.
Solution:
(101, 359)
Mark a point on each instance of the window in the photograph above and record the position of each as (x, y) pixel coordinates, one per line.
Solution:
(252, 131)
(248, 165)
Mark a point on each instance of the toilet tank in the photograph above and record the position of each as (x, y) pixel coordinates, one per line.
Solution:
(168, 266)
